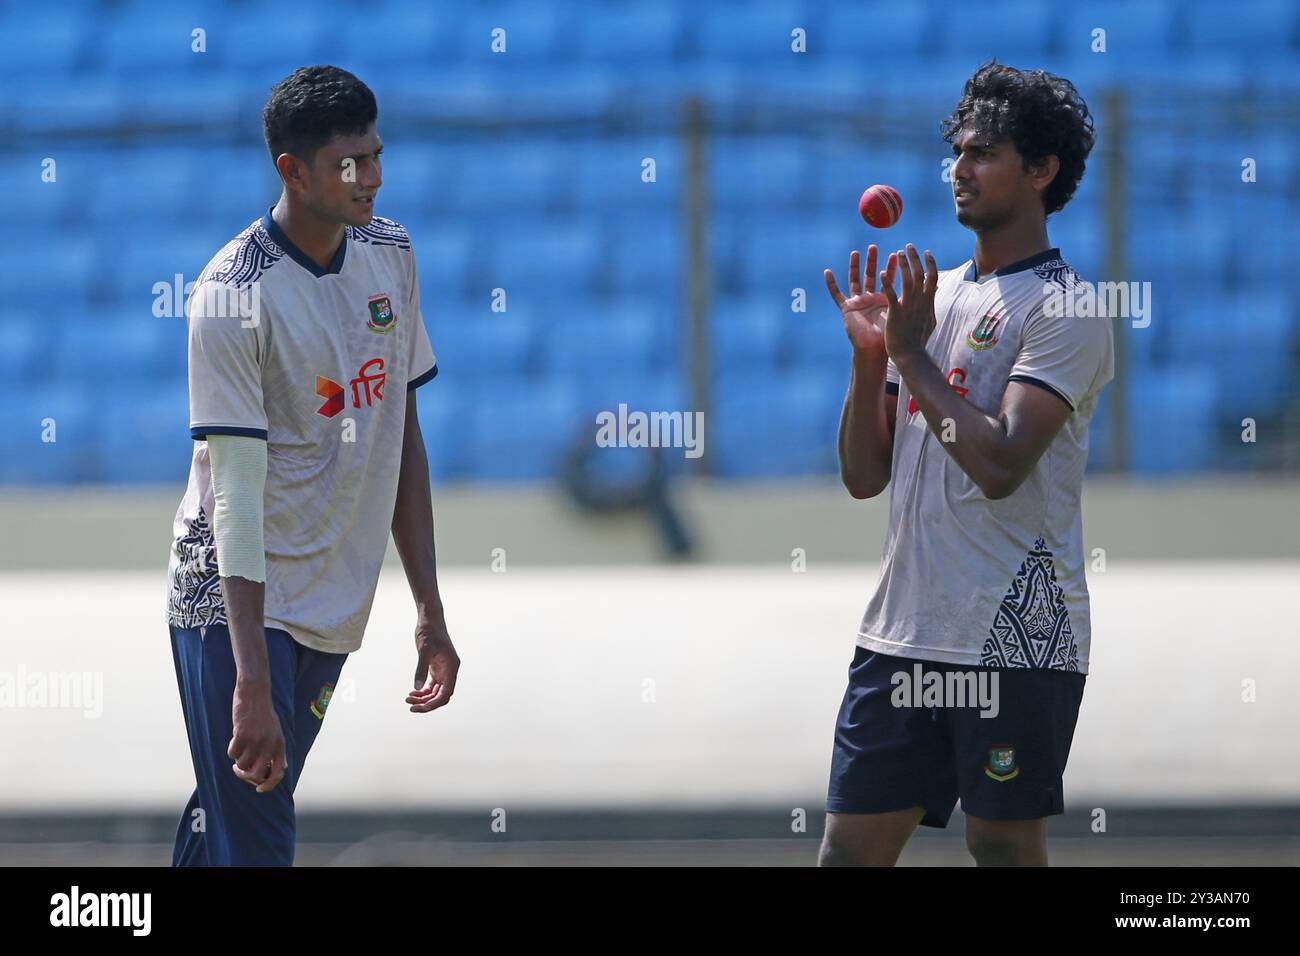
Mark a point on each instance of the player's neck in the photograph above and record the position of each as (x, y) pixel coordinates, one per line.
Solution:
(1009, 243)
(318, 238)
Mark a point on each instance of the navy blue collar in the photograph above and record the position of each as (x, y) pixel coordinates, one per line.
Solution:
(300, 257)
(1035, 260)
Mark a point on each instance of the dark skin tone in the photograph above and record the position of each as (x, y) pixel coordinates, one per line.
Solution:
(1002, 202)
(325, 195)
(320, 199)
(436, 664)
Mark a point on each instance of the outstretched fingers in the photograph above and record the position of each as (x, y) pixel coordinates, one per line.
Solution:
(931, 274)
(834, 289)
(869, 276)
(887, 283)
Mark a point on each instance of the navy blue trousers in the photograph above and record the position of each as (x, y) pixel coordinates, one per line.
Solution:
(227, 822)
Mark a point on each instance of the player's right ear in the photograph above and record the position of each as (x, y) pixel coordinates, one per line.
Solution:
(291, 170)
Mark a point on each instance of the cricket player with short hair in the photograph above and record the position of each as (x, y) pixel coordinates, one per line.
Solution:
(306, 345)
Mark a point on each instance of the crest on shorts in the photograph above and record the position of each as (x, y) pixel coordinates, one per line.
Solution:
(1002, 763)
(322, 701)
(985, 333)
(382, 318)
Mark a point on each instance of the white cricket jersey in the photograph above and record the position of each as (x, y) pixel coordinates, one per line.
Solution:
(968, 580)
(322, 376)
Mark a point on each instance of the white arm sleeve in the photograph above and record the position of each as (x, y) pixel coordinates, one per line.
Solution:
(238, 480)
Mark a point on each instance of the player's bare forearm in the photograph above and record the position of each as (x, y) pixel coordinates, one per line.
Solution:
(413, 519)
(437, 663)
(866, 443)
(978, 442)
(245, 603)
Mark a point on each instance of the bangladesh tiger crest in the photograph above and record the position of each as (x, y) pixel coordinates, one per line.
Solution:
(382, 318)
(1002, 764)
(985, 333)
(322, 701)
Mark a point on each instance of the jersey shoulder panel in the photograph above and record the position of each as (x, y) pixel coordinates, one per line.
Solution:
(1059, 273)
(244, 259)
(381, 232)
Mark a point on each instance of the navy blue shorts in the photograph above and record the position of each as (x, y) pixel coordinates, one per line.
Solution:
(227, 822)
(897, 748)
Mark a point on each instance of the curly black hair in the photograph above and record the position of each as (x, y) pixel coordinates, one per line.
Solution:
(1041, 113)
(311, 106)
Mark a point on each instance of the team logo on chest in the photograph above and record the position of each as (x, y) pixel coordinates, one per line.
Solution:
(985, 334)
(382, 317)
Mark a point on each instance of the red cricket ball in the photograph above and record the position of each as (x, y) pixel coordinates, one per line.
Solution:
(881, 206)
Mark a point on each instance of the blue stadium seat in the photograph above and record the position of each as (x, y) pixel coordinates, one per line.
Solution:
(1009, 30)
(533, 31)
(749, 332)
(47, 41)
(521, 428)
(561, 256)
(630, 32)
(647, 254)
(610, 172)
(146, 38)
(471, 92)
(747, 31)
(397, 34)
(145, 434)
(1164, 241)
(28, 340)
(55, 203)
(1171, 419)
(212, 101)
(129, 273)
(878, 28)
(238, 185)
(612, 336)
(1254, 336)
(1101, 450)
(1263, 27)
(841, 172)
(263, 40)
(517, 173)
(1265, 241)
(124, 349)
(1149, 343)
(419, 178)
(57, 104)
(149, 186)
(1276, 154)
(763, 171)
(782, 254)
(443, 253)
(477, 342)
(1134, 31)
(774, 425)
(1079, 232)
(600, 397)
(76, 413)
(63, 261)
(816, 340)
(445, 423)
(661, 390)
